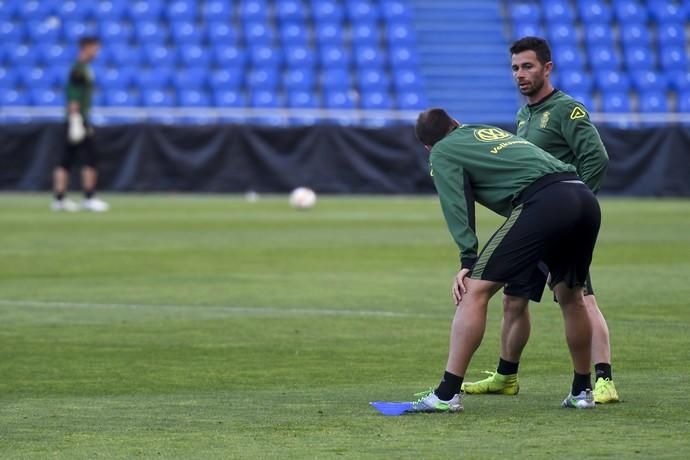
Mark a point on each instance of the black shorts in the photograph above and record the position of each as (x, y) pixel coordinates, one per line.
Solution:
(556, 223)
(83, 151)
(533, 289)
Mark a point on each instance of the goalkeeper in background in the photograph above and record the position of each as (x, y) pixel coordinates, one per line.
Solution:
(79, 142)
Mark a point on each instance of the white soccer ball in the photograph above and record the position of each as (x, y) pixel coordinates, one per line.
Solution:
(302, 198)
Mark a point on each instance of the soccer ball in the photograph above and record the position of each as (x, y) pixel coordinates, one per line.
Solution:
(302, 198)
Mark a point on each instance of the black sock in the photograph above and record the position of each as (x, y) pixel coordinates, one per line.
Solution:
(581, 382)
(59, 196)
(449, 386)
(88, 194)
(507, 367)
(603, 371)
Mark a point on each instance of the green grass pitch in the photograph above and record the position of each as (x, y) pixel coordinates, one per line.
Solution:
(210, 327)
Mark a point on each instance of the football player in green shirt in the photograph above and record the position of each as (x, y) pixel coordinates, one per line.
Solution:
(79, 142)
(518, 180)
(560, 125)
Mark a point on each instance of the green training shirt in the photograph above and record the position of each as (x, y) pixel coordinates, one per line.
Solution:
(80, 87)
(488, 165)
(561, 126)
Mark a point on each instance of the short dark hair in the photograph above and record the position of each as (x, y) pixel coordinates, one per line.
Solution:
(89, 40)
(540, 47)
(433, 125)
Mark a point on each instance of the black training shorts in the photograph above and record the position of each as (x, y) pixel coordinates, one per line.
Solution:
(556, 223)
(83, 151)
(534, 287)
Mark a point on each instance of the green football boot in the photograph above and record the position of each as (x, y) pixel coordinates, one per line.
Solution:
(496, 384)
(605, 391)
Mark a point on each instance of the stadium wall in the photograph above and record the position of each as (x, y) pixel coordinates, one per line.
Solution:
(330, 159)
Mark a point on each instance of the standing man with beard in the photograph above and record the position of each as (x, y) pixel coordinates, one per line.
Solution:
(560, 125)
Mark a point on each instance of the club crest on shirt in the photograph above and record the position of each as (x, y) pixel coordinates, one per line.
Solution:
(491, 134)
(544, 120)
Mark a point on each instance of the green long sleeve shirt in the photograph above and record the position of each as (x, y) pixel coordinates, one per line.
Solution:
(490, 166)
(561, 126)
(80, 86)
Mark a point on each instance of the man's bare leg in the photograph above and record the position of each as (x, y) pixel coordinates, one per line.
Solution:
(89, 177)
(515, 327)
(60, 181)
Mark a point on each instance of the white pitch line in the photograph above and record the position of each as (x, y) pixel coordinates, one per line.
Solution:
(237, 311)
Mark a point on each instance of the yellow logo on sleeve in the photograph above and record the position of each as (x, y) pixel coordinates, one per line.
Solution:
(578, 112)
(491, 134)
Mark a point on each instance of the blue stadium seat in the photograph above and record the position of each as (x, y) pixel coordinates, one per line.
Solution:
(409, 100)
(50, 53)
(119, 77)
(258, 33)
(159, 55)
(150, 10)
(13, 97)
(21, 55)
(335, 99)
(598, 34)
(595, 11)
(671, 33)
(193, 56)
(150, 32)
(562, 34)
(375, 100)
(43, 31)
(368, 56)
(612, 81)
(361, 11)
(9, 11)
(558, 11)
(253, 10)
(649, 80)
(635, 34)
(153, 78)
(365, 34)
(193, 98)
(118, 54)
(60, 72)
(229, 56)
(299, 79)
(264, 79)
(630, 12)
(373, 80)
(527, 29)
(158, 98)
(667, 11)
(75, 10)
(525, 12)
(639, 58)
(265, 56)
(575, 81)
(402, 57)
(329, 33)
(264, 99)
(684, 102)
(228, 98)
(221, 33)
(604, 58)
(299, 56)
(34, 77)
(121, 98)
(585, 98)
(226, 79)
(407, 80)
(333, 56)
(327, 11)
(289, 10)
(303, 100)
(32, 9)
(615, 102)
(395, 10)
(568, 57)
(72, 31)
(337, 79)
(8, 78)
(294, 34)
(47, 97)
(653, 102)
(110, 10)
(217, 10)
(673, 57)
(186, 33)
(190, 78)
(10, 32)
(181, 10)
(112, 32)
(400, 33)
(679, 80)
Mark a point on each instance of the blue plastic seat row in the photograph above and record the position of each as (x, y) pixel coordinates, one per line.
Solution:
(600, 11)
(613, 80)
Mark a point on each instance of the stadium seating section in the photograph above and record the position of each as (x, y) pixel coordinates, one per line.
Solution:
(337, 54)
(617, 55)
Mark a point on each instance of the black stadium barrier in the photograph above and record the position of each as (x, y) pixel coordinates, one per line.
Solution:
(330, 159)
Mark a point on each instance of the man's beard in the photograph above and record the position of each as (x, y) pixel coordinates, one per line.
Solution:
(535, 89)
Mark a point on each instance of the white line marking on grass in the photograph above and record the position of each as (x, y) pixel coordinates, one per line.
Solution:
(233, 311)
